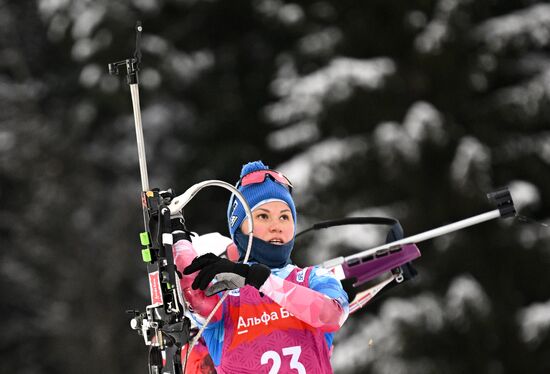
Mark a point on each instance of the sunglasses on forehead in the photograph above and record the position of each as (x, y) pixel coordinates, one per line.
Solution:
(259, 176)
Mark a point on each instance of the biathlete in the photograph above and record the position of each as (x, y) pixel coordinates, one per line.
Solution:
(281, 318)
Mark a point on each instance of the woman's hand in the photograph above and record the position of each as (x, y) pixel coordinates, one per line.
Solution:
(229, 275)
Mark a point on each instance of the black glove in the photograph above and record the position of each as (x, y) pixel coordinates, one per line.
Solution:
(347, 285)
(230, 275)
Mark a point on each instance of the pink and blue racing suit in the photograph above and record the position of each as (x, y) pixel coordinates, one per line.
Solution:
(286, 327)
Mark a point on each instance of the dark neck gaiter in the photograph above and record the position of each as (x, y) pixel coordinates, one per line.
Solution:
(272, 255)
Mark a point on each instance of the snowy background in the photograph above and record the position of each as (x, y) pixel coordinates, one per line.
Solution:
(410, 109)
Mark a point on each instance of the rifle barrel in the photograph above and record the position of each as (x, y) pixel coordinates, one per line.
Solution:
(430, 234)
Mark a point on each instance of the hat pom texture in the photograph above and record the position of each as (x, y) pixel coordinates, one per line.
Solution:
(253, 166)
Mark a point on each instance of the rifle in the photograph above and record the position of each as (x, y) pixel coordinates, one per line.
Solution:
(163, 325)
(391, 263)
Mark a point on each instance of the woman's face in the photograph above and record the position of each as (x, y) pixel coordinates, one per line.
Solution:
(273, 223)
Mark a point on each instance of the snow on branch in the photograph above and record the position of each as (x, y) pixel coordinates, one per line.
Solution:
(304, 97)
(438, 30)
(530, 26)
(534, 323)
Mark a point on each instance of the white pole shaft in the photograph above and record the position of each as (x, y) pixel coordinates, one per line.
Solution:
(430, 234)
(139, 136)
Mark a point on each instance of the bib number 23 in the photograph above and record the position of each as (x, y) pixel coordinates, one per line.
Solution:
(275, 358)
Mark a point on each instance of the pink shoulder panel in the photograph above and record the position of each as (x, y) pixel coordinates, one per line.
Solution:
(312, 307)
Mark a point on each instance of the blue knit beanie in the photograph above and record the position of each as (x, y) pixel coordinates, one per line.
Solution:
(256, 195)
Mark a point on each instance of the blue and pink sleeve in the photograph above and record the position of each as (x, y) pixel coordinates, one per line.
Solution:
(324, 305)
